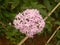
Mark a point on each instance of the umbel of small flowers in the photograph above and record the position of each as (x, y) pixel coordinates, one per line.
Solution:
(29, 22)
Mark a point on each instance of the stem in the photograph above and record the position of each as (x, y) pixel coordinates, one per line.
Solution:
(23, 40)
(52, 35)
(49, 14)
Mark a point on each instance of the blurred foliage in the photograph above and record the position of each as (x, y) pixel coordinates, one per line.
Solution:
(58, 43)
(58, 34)
(9, 9)
(48, 44)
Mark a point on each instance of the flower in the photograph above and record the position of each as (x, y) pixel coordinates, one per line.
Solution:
(29, 22)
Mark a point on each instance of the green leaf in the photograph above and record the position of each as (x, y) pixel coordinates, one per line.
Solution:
(58, 43)
(57, 0)
(48, 44)
(47, 4)
(32, 5)
(50, 18)
(57, 22)
(9, 15)
(58, 34)
(43, 12)
(13, 3)
(36, 5)
(48, 27)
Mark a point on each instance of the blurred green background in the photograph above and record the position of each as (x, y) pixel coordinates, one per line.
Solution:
(9, 9)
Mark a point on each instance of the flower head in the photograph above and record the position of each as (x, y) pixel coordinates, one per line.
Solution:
(30, 22)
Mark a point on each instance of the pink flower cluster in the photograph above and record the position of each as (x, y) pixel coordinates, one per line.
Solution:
(30, 22)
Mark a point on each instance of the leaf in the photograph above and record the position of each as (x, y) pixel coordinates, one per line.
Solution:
(14, 3)
(10, 3)
(57, 22)
(47, 4)
(50, 18)
(36, 5)
(48, 44)
(9, 15)
(58, 34)
(58, 43)
(32, 5)
(57, 0)
(43, 12)
(48, 27)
